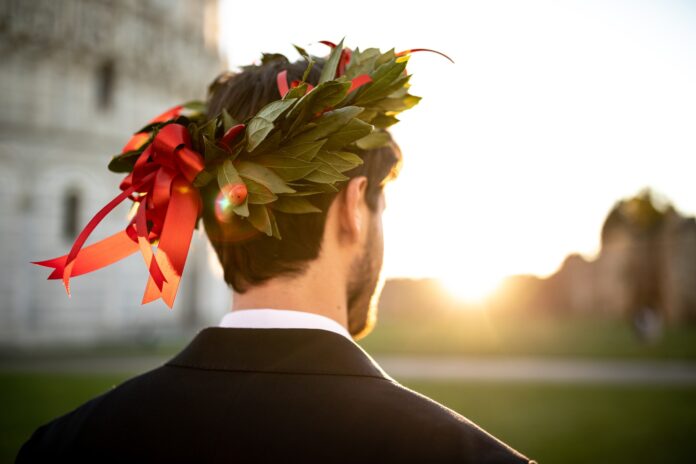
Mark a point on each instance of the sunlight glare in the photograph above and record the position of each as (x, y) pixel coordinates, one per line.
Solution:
(470, 288)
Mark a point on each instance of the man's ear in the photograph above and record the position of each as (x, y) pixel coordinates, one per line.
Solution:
(352, 212)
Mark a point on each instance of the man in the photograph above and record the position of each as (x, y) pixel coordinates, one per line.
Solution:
(281, 379)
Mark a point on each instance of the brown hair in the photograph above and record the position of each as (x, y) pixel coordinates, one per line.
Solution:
(249, 257)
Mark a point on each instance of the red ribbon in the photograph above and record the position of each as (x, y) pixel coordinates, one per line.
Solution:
(162, 183)
(343, 60)
(282, 82)
(412, 50)
(283, 87)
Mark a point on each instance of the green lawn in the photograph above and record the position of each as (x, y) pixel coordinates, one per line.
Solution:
(551, 423)
(482, 334)
(579, 424)
(29, 400)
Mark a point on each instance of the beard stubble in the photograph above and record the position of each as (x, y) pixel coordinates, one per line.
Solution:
(365, 285)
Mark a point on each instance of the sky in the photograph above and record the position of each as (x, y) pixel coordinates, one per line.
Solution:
(552, 112)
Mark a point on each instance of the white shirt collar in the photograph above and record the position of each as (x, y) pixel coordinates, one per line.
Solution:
(281, 319)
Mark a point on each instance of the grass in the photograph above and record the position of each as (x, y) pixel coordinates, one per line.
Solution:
(550, 423)
(579, 424)
(30, 400)
(482, 334)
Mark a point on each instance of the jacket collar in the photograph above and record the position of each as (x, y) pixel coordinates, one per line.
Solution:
(296, 351)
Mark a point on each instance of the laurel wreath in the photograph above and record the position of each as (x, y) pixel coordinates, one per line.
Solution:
(299, 145)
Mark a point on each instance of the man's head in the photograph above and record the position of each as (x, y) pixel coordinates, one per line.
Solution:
(351, 217)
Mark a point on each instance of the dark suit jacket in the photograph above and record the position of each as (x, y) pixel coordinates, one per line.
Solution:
(269, 395)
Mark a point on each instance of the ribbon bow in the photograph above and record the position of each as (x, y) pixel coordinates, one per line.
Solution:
(167, 211)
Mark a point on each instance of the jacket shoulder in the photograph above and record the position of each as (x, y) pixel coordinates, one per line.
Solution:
(57, 437)
(442, 434)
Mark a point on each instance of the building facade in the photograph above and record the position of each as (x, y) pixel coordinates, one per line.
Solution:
(77, 78)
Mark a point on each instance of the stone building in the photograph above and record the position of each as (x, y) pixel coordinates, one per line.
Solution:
(647, 261)
(77, 78)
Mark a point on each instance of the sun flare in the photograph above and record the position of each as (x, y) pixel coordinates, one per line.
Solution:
(469, 288)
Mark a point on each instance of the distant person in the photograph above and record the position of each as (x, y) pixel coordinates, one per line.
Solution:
(281, 379)
(647, 324)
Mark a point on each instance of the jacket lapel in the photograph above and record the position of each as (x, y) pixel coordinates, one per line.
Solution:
(296, 351)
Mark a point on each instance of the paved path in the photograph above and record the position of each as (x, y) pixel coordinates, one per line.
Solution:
(562, 370)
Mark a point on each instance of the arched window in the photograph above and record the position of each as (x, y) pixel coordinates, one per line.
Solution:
(105, 84)
(71, 213)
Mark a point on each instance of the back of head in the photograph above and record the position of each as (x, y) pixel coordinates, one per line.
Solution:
(249, 257)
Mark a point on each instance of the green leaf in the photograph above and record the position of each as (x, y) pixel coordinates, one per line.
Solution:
(228, 175)
(124, 162)
(397, 86)
(270, 144)
(398, 104)
(195, 105)
(264, 176)
(374, 140)
(275, 231)
(302, 52)
(195, 137)
(288, 168)
(385, 57)
(368, 115)
(328, 72)
(362, 62)
(354, 130)
(243, 209)
(323, 96)
(297, 92)
(311, 188)
(227, 120)
(310, 61)
(256, 131)
(208, 129)
(342, 160)
(259, 194)
(400, 92)
(382, 77)
(213, 152)
(325, 174)
(203, 178)
(258, 216)
(294, 205)
(303, 150)
(330, 122)
(327, 95)
(383, 121)
(274, 109)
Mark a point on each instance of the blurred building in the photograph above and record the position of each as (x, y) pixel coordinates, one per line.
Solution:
(647, 262)
(77, 78)
(404, 297)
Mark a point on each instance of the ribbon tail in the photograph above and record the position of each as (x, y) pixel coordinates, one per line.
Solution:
(175, 241)
(93, 257)
(413, 50)
(144, 246)
(68, 266)
(282, 82)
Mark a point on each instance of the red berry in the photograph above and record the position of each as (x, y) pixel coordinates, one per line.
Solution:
(237, 193)
(231, 135)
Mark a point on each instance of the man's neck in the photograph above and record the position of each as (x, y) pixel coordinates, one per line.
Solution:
(312, 292)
